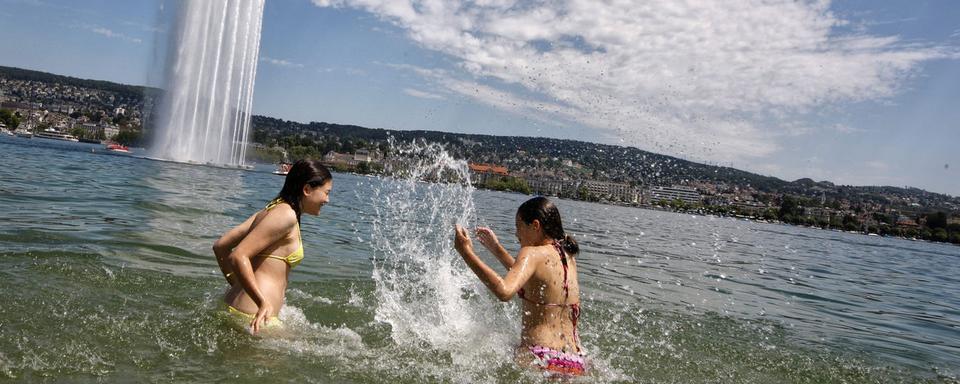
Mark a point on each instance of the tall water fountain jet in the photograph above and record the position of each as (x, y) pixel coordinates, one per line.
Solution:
(205, 113)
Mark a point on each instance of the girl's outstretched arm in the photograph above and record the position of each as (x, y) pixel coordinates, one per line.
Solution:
(225, 244)
(504, 288)
(274, 226)
(490, 241)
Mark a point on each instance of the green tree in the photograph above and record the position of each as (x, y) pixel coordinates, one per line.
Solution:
(937, 220)
(513, 184)
(953, 228)
(583, 193)
(8, 118)
(836, 222)
(678, 205)
(129, 137)
(790, 209)
(851, 223)
(770, 214)
(363, 167)
(79, 133)
(940, 234)
(884, 218)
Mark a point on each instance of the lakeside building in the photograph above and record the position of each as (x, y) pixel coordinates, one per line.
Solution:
(340, 158)
(480, 173)
(612, 191)
(362, 155)
(686, 194)
(751, 208)
(110, 131)
(821, 213)
(350, 161)
(550, 186)
(907, 222)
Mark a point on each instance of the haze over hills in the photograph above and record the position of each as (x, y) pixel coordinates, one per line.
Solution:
(525, 154)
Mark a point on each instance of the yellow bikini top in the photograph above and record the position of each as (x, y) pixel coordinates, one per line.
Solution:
(294, 258)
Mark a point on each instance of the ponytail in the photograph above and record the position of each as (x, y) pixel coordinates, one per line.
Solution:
(570, 245)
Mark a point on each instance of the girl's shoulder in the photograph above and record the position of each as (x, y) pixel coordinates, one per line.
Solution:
(537, 252)
(281, 215)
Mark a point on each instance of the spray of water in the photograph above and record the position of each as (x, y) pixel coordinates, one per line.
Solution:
(433, 303)
(213, 63)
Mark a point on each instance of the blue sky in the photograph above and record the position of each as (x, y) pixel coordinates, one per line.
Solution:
(854, 92)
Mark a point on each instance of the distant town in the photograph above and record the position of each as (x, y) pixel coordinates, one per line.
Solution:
(37, 104)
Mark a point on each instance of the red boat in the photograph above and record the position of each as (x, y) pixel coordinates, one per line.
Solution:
(118, 148)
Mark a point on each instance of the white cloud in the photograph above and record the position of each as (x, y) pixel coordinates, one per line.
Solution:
(146, 27)
(422, 94)
(716, 81)
(348, 71)
(843, 128)
(877, 165)
(115, 35)
(280, 62)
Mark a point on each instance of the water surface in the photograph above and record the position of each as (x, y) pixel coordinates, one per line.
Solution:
(107, 274)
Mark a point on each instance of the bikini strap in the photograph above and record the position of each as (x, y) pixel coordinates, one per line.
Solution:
(274, 203)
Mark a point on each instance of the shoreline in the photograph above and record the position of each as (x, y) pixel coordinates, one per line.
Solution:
(700, 212)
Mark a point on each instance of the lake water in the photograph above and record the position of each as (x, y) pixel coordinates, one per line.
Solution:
(106, 274)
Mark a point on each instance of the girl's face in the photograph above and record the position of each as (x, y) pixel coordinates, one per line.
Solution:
(315, 197)
(528, 234)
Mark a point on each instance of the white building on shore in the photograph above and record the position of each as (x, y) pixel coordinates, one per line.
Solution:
(688, 195)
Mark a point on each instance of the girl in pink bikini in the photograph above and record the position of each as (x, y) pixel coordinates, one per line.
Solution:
(544, 276)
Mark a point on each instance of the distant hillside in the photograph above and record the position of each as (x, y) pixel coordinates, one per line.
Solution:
(607, 162)
(625, 164)
(133, 91)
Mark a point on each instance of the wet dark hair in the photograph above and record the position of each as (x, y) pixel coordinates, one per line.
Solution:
(542, 209)
(303, 172)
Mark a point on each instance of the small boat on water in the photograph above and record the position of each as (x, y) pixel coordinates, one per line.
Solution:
(117, 147)
(24, 133)
(283, 169)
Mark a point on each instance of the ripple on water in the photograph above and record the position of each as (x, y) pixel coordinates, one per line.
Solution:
(112, 279)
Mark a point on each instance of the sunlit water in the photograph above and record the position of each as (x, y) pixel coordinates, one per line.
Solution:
(106, 274)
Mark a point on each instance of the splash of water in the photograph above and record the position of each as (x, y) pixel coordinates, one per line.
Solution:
(431, 300)
(205, 113)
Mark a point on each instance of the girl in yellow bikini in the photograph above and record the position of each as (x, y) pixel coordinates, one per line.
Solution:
(544, 276)
(256, 256)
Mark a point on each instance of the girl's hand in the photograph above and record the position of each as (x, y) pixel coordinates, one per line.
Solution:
(263, 314)
(462, 241)
(488, 238)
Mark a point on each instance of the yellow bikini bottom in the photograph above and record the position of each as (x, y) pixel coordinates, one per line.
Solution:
(245, 318)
